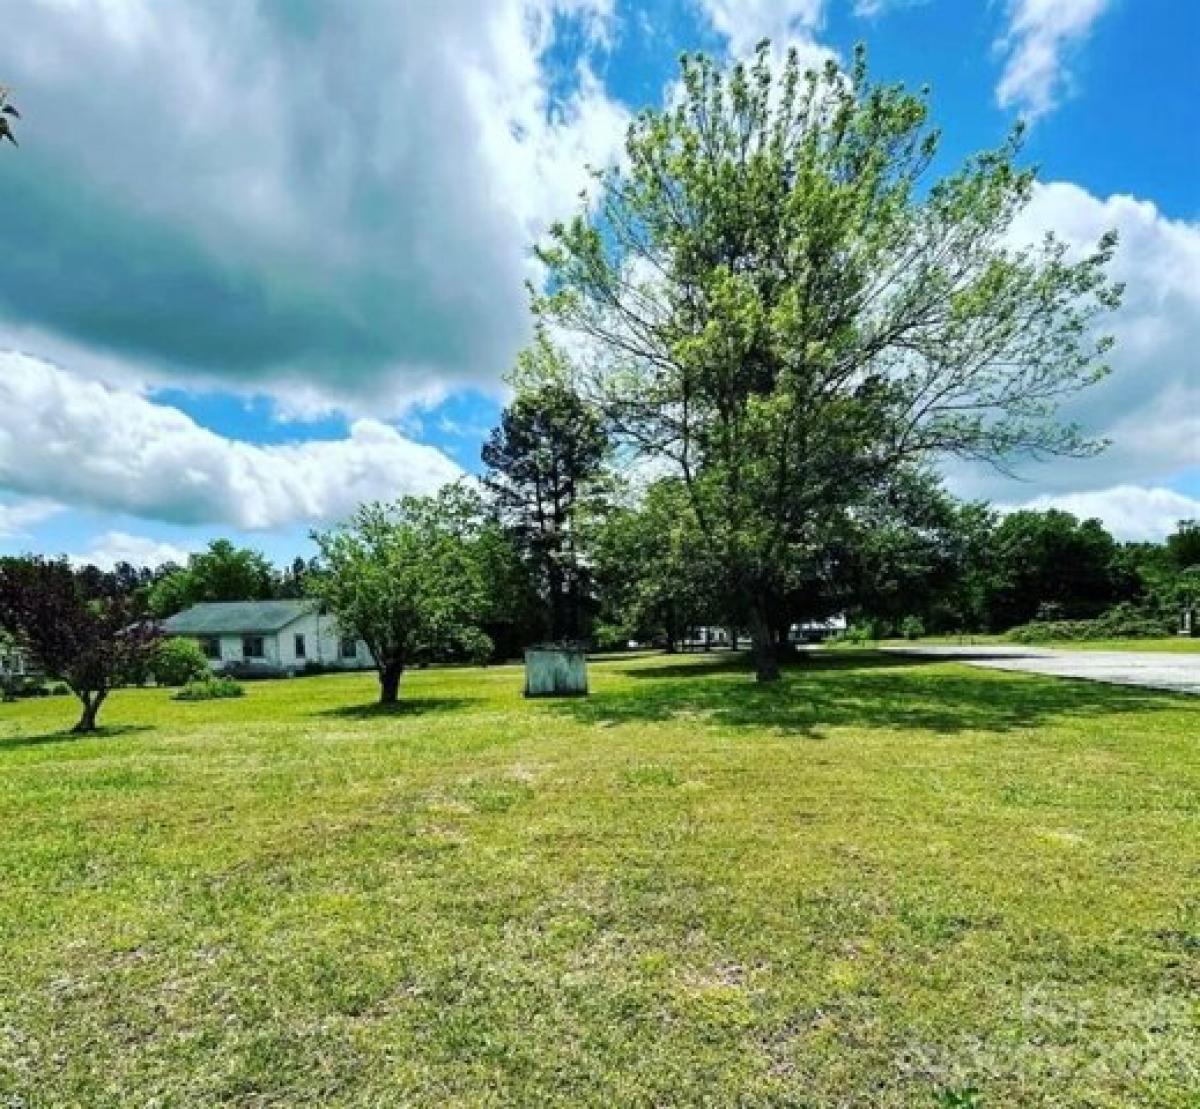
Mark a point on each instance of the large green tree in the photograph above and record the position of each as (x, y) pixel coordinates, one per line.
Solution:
(1053, 566)
(917, 552)
(543, 465)
(223, 572)
(406, 578)
(1183, 545)
(776, 299)
(656, 575)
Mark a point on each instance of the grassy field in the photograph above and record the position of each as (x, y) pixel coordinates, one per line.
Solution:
(1172, 645)
(882, 883)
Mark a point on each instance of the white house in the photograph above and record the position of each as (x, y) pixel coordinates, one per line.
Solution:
(268, 637)
(817, 631)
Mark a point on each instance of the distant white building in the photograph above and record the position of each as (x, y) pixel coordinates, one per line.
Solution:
(268, 637)
(817, 631)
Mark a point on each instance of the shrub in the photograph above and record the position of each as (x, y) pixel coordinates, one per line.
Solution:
(856, 634)
(29, 686)
(1122, 622)
(1129, 622)
(179, 661)
(912, 627)
(209, 689)
(611, 637)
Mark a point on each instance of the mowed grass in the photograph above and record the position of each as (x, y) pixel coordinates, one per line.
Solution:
(881, 883)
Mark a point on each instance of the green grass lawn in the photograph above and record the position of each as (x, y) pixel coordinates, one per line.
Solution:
(1172, 645)
(883, 882)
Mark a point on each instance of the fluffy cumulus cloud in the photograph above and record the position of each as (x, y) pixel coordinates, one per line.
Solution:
(1131, 512)
(75, 442)
(331, 202)
(17, 519)
(745, 22)
(870, 9)
(1149, 407)
(1037, 43)
(106, 550)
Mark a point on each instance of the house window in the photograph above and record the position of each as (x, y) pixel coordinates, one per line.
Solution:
(301, 648)
(211, 646)
(252, 646)
(349, 647)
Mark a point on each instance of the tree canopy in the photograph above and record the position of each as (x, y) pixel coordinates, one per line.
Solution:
(657, 576)
(91, 642)
(776, 300)
(544, 462)
(406, 579)
(223, 572)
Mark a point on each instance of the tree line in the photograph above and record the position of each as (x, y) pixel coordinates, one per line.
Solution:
(555, 542)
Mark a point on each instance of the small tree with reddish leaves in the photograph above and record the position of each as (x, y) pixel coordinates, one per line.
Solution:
(92, 641)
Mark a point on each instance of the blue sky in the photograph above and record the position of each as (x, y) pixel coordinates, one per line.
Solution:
(263, 260)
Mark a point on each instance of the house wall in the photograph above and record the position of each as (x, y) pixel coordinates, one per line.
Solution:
(329, 637)
(231, 652)
(322, 641)
(307, 626)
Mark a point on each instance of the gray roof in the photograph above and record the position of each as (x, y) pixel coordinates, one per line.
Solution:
(231, 617)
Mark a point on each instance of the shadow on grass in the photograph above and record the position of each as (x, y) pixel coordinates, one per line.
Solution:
(65, 735)
(870, 690)
(406, 706)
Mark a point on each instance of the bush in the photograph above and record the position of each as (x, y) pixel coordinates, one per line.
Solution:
(209, 689)
(611, 637)
(856, 634)
(1123, 622)
(29, 686)
(912, 627)
(179, 661)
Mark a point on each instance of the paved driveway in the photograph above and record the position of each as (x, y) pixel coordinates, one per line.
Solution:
(1153, 670)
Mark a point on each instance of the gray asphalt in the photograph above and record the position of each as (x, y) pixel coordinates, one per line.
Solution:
(1179, 673)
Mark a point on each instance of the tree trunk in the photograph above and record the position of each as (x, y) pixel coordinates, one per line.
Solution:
(762, 643)
(783, 645)
(557, 615)
(91, 707)
(389, 683)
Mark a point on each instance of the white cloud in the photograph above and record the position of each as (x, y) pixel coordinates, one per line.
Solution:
(1149, 407)
(872, 9)
(1039, 35)
(332, 202)
(1128, 511)
(106, 550)
(745, 22)
(83, 443)
(18, 518)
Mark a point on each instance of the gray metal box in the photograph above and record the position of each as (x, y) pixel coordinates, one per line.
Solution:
(556, 672)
